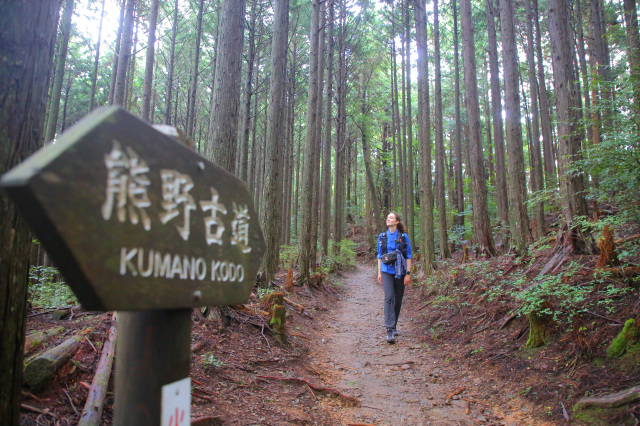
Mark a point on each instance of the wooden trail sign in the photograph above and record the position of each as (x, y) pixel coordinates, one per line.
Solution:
(136, 221)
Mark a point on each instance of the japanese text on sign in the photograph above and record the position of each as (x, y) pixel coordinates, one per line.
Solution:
(127, 198)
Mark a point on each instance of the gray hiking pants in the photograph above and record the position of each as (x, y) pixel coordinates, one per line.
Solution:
(393, 293)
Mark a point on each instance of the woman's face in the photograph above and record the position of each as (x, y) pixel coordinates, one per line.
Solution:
(392, 219)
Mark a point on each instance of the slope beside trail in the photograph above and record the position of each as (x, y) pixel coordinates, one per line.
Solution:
(405, 383)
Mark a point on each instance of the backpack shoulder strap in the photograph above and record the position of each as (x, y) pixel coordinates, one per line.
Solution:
(403, 244)
(383, 243)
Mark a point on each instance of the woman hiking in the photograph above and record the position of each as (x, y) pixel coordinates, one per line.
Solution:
(394, 268)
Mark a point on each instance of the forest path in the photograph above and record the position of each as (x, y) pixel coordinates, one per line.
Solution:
(398, 384)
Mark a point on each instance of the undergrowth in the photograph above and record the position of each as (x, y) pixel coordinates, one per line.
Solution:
(46, 288)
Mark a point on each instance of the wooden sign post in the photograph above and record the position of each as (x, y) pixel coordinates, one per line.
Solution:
(139, 223)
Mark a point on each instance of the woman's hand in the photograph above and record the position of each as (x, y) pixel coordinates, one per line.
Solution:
(407, 279)
(379, 277)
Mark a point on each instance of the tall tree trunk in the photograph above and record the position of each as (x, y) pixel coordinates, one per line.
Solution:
(315, 212)
(633, 53)
(481, 221)
(584, 69)
(94, 74)
(253, 161)
(459, 218)
(440, 172)
(487, 118)
(366, 155)
(571, 184)
(148, 72)
(67, 90)
(131, 67)
(28, 41)
(340, 160)
(248, 88)
(116, 56)
(275, 130)
(496, 104)
(545, 108)
(191, 113)
(537, 181)
(305, 261)
(599, 55)
(402, 120)
(171, 66)
(394, 104)
(325, 222)
(516, 187)
(125, 53)
(226, 90)
(58, 79)
(409, 157)
(424, 137)
(397, 140)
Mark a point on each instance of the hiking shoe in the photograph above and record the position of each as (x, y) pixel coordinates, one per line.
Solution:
(395, 332)
(390, 336)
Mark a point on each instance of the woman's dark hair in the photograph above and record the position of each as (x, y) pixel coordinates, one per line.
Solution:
(400, 225)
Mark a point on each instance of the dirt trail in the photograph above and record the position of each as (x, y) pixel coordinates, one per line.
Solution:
(399, 384)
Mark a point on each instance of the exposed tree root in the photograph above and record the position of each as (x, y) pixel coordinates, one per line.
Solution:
(347, 401)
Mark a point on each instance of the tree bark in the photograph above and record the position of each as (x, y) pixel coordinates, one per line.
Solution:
(305, 261)
(191, 113)
(424, 137)
(496, 104)
(131, 67)
(516, 188)
(325, 222)
(243, 173)
(116, 56)
(315, 212)
(340, 161)
(171, 65)
(633, 52)
(28, 41)
(402, 129)
(571, 184)
(409, 156)
(459, 218)
(550, 179)
(275, 130)
(537, 178)
(58, 78)
(366, 155)
(481, 221)
(226, 90)
(440, 172)
(125, 52)
(582, 60)
(148, 72)
(94, 75)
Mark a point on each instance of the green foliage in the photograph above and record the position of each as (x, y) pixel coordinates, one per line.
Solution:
(615, 161)
(344, 258)
(540, 244)
(209, 359)
(45, 291)
(559, 288)
(289, 255)
(264, 291)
